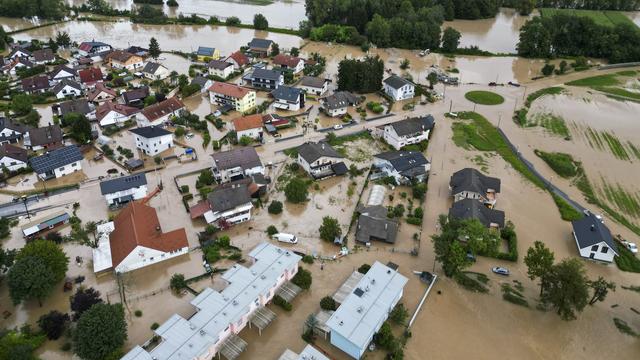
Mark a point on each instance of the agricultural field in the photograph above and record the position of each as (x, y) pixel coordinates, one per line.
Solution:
(622, 85)
(553, 123)
(606, 18)
(607, 141)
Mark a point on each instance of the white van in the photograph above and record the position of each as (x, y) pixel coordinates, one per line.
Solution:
(285, 238)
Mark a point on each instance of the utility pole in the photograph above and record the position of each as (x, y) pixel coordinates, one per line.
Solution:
(524, 96)
(499, 119)
(450, 105)
(25, 199)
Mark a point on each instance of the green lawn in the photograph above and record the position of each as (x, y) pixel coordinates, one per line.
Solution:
(484, 97)
(600, 80)
(556, 90)
(553, 123)
(563, 164)
(606, 18)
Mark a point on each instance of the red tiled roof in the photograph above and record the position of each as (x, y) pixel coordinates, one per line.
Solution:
(138, 225)
(247, 122)
(229, 90)
(108, 106)
(119, 56)
(199, 209)
(287, 60)
(90, 75)
(240, 58)
(100, 87)
(161, 109)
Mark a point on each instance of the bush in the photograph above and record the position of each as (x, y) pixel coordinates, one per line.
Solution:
(364, 268)
(284, 304)
(302, 279)
(418, 190)
(375, 107)
(547, 69)
(414, 221)
(327, 303)
(307, 259)
(296, 191)
(179, 131)
(184, 189)
(232, 21)
(399, 314)
(330, 229)
(177, 282)
(138, 313)
(275, 207)
(154, 326)
(272, 230)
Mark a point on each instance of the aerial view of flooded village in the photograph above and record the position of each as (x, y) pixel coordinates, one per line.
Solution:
(319, 179)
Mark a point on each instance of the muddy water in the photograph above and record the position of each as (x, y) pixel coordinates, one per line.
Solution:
(498, 35)
(171, 37)
(13, 24)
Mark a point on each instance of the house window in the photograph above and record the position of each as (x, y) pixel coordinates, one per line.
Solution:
(594, 248)
(604, 250)
(62, 168)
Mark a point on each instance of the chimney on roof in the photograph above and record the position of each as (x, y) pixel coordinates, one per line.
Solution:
(593, 227)
(158, 228)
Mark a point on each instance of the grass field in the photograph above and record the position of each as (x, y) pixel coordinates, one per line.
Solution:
(563, 164)
(605, 18)
(553, 123)
(610, 84)
(484, 97)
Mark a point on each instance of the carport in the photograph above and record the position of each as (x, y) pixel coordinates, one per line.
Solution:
(232, 347)
(261, 318)
(288, 291)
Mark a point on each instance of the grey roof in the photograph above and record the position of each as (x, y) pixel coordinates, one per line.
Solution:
(134, 163)
(396, 82)
(373, 224)
(150, 131)
(413, 125)
(80, 106)
(66, 82)
(311, 81)
(474, 209)
(228, 197)
(151, 67)
(136, 94)
(590, 231)
(404, 160)
(244, 157)
(339, 100)
(6, 123)
(64, 68)
(45, 135)
(122, 183)
(200, 81)
(266, 74)
(287, 93)
(55, 159)
(219, 64)
(311, 152)
(472, 180)
(13, 152)
(260, 43)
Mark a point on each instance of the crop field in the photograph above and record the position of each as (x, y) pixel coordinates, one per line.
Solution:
(606, 18)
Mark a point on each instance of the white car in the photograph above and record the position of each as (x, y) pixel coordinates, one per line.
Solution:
(631, 246)
(285, 238)
(337, 127)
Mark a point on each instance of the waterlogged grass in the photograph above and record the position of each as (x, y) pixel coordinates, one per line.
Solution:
(556, 90)
(484, 97)
(605, 18)
(567, 212)
(625, 201)
(608, 141)
(563, 164)
(553, 123)
(600, 80)
(513, 296)
(472, 281)
(624, 327)
(618, 92)
(609, 84)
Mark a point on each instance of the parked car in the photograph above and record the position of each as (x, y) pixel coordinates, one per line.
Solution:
(514, 84)
(588, 212)
(631, 246)
(217, 113)
(189, 135)
(285, 238)
(500, 270)
(337, 127)
(471, 257)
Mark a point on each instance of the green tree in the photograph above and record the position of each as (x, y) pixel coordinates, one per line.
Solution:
(525, 7)
(80, 127)
(154, 48)
(83, 300)
(275, 49)
(5, 227)
(399, 314)
(600, 288)
(272, 230)
(539, 261)
(260, 22)
(330, 229)
(450, 40)
(432, 78)
(53, 324)
(63, 39)
(52, 45)
(379, 31)
(328, 303)
(232, 21)
(92, 228)
(384, 337)
(449, 252)
(303, 279)
(275, 207)
(245, 140)
(29, 278)
(19, 345)
(50, 254)
(172, 3)
(101, 331)
(364, 268)
(294, 51)
(3, 38)
(566, 289)
(296, 190)
(21, 104)
(177, 283)
(547, 69)
(404, 65)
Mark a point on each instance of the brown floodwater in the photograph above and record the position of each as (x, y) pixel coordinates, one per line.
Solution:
(13, 24)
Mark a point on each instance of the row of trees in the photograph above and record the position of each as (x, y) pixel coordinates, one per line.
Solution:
(362, 76)
(565, 35)
(46, 9)
(624, 5)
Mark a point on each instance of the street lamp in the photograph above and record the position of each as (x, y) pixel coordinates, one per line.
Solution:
(26, 208)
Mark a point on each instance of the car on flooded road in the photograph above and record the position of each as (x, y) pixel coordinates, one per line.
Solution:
(500, 270)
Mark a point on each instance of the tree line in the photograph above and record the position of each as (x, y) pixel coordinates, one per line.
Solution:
(46, 9)
(565, 35)
(363, 76)
(623, 5)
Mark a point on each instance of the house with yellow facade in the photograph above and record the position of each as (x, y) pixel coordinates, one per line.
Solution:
(123, 60)
(232, 97)
(206, 54)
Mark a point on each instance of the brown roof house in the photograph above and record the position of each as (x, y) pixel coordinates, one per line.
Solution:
(36, 84)
(100, 93)
(236, 164)
(250, 126)
(238, 59)
(134, 239)
(160, 113)
(12, 157)
(43, 56)
(123, 60)
(293, 63)
(48, 137)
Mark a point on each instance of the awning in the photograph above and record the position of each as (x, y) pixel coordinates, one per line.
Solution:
(339, 168)
(233, 347)
(288, 291)
(261, 318)
(281, 106)
(125, 199)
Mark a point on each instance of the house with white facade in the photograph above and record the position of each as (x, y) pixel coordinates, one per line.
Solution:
(221, 315)
(293, 63)
(308, 353)
(152, 140)
(57, 163)
(470, 183)
(320, 160)
(124, 189)
(67, 88)
(124, 60)
(593, 239)
(232, 96)
(236, 164)
(468, 209)
(250, 126)
(13, 158)
(101, 93)
(115, 114)
(363, 311)
(265, 79)
(288, 98)
(406, 167)
(93, 48)
(11, 131)
(155, 71)
(46, 137)
(406, 132)
(220, 68)
(238, 60)
(134, 239)
(159, 113)
(398, 88)
(226, 205)
(314, 85)
(338, 103)
(43, 56)
(63, 72)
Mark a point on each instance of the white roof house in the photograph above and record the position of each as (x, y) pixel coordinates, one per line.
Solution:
(220, 315)
(308, 353)
(364, 311)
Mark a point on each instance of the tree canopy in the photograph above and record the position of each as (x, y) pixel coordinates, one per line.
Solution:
(100, 332)
(260, 22)
(566, 288)
(296, 190)
(539, 261)
(46, 9)
(154, 48)
(330, 229)
(362, 76)
(450, 40)
(83, 300)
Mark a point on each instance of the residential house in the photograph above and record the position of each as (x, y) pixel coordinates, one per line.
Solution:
(135, 239)
(90, 77)
(221, 315)
(226, 205)
(338, 103)
(38, 84)
(79, 106)
(38, 228)
(265, 79)
(43, 56)
(272, 122)
(288, 98)
(250, 126)
(137, 50)
(406, 167)
(239, 98)
(48, 137)
(320, 160)
(470, 183)
(159, 113)
(19, 53)
(67, 88)
(10, 131)
(375, 225)
(135, 97)
(398, 88)
(155, 71)
(152, 140)
(238, 60)
(314, 85)
(593, 239)
(110, 113)
(472, 209)
(93, 48)
(63, 72)
(203, 82)
(308, 353)
(205, 54)
(12, 157)
(406, 132)
(221, 69)
(236, 164)
(124, 189)
(293, 63)
(101, 93)
(362, 313)
(119, 59)
(18, 63)
(261, 47)
(57, 163)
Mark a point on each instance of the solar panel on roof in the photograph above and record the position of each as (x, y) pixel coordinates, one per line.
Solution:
(359, 292)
